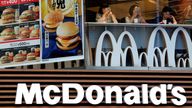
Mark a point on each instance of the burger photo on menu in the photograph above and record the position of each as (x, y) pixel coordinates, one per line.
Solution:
(20, 57)
(8, 16)
(31, 56)
(67, 36)
(27, 15)
(24, 33)
(6, 56)
(52, 20)
(5, 59)
(7, 34)
(34, 33)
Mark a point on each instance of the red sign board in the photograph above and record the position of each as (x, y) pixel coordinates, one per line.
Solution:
(15, 2)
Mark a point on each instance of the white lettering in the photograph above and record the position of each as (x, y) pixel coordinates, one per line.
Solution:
(66, 97)
(22, 91)
(176, 91)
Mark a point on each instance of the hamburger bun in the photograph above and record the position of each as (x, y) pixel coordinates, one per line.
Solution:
(19, 58)
(67, 30)
(53, 19)
(7, 34)
(67, 36)
(34, 33)
(5, 59)
(26, 15)
(8, 11)
(8, 21)
(31, 56)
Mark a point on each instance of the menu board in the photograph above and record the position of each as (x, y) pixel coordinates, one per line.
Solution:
(62, 37)
(40, 31)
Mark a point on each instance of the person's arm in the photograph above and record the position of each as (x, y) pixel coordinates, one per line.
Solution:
(142, 20)
(127, 20)
(132, 19)
(174, 20)
(133, 16)
(113, 18)
(101, 18)
(98, 18)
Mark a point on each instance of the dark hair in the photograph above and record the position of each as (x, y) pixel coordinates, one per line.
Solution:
(103, 6)
(131, 9)
(168, 9)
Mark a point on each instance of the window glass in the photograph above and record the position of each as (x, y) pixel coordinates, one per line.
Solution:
(151, 10)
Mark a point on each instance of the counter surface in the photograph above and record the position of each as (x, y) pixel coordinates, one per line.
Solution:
(137, 24)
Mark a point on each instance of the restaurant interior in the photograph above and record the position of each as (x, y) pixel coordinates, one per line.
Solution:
(150, 9)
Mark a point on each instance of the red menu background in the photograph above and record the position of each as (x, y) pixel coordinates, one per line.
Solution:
(15, 2)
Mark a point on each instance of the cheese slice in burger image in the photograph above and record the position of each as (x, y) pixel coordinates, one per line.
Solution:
(67, 36)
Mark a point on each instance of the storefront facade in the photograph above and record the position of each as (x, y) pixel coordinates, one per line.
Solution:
(121, 54)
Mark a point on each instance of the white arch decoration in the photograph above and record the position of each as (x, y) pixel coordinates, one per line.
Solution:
(187, 61)
(156, 61)
(150, 50)
(99, 49)
(133, 48)
(106, 57)
(161, 54)
(118, 56)
(187, 39)
(143, 54)
(181, 60)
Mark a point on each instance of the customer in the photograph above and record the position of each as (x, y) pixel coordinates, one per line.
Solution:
(105, 15)
(167, 16)
(135, 15)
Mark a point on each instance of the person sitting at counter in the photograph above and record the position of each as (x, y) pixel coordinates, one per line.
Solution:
(167, 17)
(135, 15)
(105, 15)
